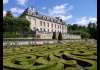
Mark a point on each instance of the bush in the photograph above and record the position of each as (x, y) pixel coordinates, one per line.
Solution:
(60, 36)
(54, 35)
(13, 35)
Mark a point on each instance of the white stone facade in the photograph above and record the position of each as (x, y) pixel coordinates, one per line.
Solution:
(43, 22)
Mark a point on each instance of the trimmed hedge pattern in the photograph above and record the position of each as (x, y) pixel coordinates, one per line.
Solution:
(50, 57)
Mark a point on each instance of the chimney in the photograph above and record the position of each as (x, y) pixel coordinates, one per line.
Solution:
(33, 9)
(58, 19)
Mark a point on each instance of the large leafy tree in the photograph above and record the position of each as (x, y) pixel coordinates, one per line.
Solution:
(12, 24)
(9, 14)
(74, 27)
(24, 24)
(86, 32)
(92, 30)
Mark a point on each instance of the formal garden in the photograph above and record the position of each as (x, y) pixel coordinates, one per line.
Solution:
(70, 56)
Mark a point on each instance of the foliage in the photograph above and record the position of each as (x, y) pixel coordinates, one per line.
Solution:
(60, 36)
(12, 24)
(86, 32)
(9, 14)
(92, 30)
(51, 57)
(54, 35)
(13, 35)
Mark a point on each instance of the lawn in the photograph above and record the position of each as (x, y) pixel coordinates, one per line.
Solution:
(51, 57)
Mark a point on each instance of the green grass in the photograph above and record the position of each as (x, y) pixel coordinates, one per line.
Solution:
(51, 57)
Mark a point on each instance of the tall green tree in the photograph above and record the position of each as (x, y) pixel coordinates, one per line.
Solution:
(9, 14)
(92, 30)
(54, 35)
(60, 36)
(24, 24)
(12, 24)
(74, 27)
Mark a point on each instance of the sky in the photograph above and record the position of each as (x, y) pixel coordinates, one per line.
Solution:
(79, 12)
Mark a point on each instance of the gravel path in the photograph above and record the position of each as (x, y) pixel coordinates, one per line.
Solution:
(80, 67)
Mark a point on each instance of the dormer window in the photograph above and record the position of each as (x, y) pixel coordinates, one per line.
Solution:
(51, 19)
(47, 18)
(34, 14)
(55, 20)
(44, 17)
(30, 12)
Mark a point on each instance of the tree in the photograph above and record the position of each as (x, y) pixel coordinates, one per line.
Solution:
(60, 36)
(15, 25)
(79, 27)
(8, 24)
(24, 24)
(54, 35)
(9, 14)
(92, 30)
(74, 27)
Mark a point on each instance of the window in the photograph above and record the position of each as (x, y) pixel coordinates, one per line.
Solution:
(44, 30)
(55, 25)
(44, 23)
(58, 26)
(40, 23)
(34, 14)
(52, 25)
(40, 29)
(48, 24)
(51, 19)
(43, 17)
(58, 31)
(65, 27)
(34, 28)
(34, 21)
(55, 30)
(48, 30)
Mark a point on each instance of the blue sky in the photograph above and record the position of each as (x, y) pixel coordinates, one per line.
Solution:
(80, 12)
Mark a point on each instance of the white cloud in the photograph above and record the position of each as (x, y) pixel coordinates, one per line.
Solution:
(70, 8)
(84, 21)
(4, 12)
(5, 1)
(61, 11)
(22, 2)
(44, 8)
(64, 17)
(17, 10)
(58, 9)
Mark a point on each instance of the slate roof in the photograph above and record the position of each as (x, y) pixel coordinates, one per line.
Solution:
(40, 15)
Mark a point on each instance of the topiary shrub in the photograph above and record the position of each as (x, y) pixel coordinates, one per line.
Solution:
(60, 36)
(54, 35)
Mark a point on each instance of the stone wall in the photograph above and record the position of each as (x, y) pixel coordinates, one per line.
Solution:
(36, 42)
(48, 35)
(71, 36)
